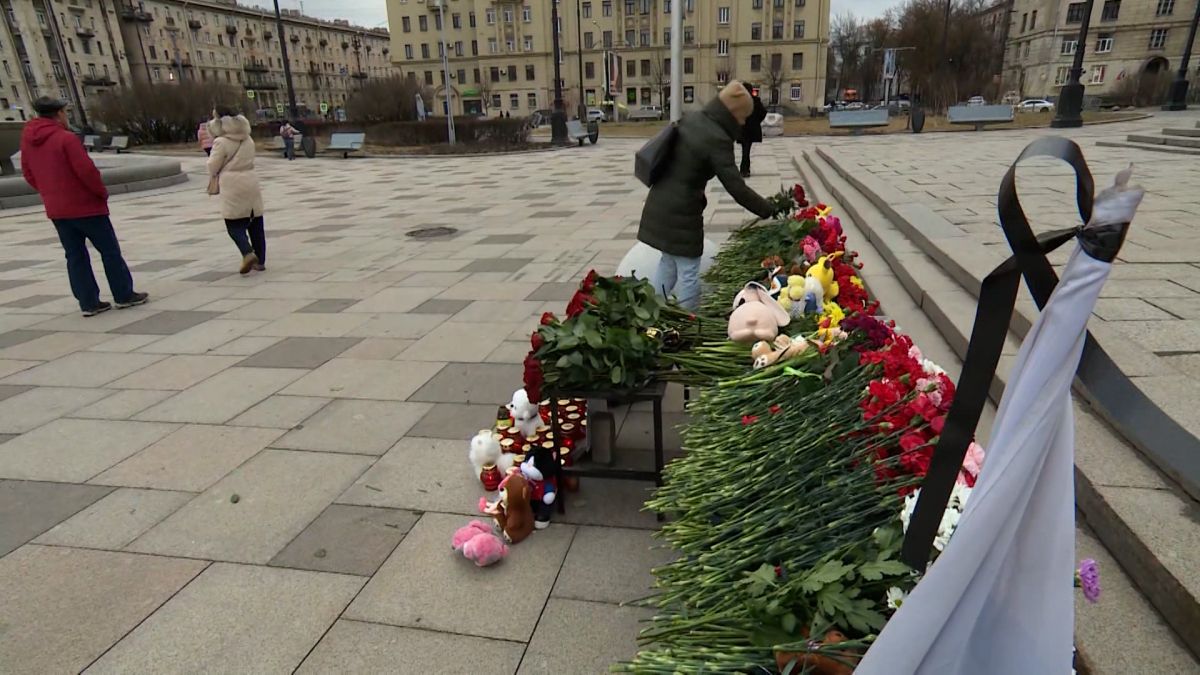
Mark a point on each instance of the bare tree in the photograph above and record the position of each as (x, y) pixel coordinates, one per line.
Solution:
(848, 40)
(774, 77)
(485, 93)
(389, 99)
(725, 71)
(149, 114)
(659, 77)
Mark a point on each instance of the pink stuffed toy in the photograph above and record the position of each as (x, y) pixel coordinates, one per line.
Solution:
(479, 544)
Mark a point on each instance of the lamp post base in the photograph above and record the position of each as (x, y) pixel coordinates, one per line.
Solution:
(1177, 98)
(558, 127)
(1070, 107)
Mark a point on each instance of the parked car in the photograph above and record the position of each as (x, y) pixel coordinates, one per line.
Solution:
(596, 115)
(976, 100)
(647, 112)
(1035, 105)
(856, 105)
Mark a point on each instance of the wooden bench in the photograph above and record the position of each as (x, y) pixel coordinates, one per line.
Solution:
(277, 142)
(346, 143)
(577, 132)
(858, 121)
(92, 142)
(979, 115)
(118, 144)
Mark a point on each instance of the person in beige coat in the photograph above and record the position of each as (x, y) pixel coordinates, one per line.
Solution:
(232, 162)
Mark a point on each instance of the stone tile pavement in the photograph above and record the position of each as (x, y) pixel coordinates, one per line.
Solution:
(261, 474)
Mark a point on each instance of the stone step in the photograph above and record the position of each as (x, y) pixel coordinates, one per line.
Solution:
(1194, 133)
(1148, 528)
(1175, 141)
(1148, 146)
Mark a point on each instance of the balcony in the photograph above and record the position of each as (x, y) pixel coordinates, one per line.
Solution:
(267, 35)
(294, 38)
(254, 66)
(97, 81)
(323, 42)
(260, 85)
(85, 33)
(345, 45)
(171, 24)
(131, 13)
(360, 75)
(194, 24)
(231, 29)
(185, 62)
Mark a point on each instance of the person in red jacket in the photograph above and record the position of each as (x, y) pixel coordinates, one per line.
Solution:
(56, 164)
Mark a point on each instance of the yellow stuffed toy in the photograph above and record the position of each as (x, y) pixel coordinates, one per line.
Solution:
(790, 296)
(822, 271)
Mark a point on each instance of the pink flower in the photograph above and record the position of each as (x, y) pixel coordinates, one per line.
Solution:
(1089, 579)
(973, 462)
(914, 353)
(812, 250)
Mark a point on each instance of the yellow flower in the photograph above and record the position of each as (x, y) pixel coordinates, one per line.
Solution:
(834, 313)
(856, 281)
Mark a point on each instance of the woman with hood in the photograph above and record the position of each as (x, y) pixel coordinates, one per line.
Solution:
(232, 164)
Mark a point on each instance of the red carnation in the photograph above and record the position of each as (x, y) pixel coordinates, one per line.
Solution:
(547, 319)
(748, 419)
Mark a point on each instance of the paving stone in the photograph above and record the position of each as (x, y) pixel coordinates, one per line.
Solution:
(279, 494)
(191, 298)
(11, 390)
(32, 301)
(394, 300)
(435, 279)
(609, 564)
(472, 289)
(223, 396)
(327, 306)
(267, 310)
(117, 519)
(158, 265)
(347, 540)
(34, 408)
(190, 459)
(101, 323)
(28, 509)
(13, 338)
(9, 284)
(10, 265)
(455, 421)
(64, 607)
(381, 349)
(356, 427)
(40, 346)
(555, 291)
(313, 325)
(357, 378)
(74, 450)
(496, 265)
(1128, 309)
(438, 306)
(203, 338)
(245, 346)
(556, 647)
(176, 372)
(392, 483)
(462, 342)
(166, 323)
(356, 647)
(506, 239)
(123, 344)
(611, 503)
(122, 404)
(235, 618)
(10, 366)
(280, 412)
(399, 326)
(83, 369)
(485, 383)
(508, 352)
(499, 312)
(300, 352)
(421, 585)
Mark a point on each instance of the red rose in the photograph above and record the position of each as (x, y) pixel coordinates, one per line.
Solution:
(578, 304)
(533, 378)
(547, 319)
(536, 341)
(798, 196)
(589, 282)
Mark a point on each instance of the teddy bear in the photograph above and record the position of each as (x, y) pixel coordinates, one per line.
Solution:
(765, 353)
(479, 544)
(491, 465)
(526, 418)
(543, 493)
(512, 511)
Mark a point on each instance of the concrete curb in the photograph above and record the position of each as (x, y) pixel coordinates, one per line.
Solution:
(1143, 518)
(137, 177)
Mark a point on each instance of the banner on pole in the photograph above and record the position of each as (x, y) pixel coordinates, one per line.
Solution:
(889, 64)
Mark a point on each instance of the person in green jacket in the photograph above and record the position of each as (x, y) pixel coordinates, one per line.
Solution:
(673, 216)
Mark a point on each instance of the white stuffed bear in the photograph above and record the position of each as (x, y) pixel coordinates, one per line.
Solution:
(485, 450)
(526, 418)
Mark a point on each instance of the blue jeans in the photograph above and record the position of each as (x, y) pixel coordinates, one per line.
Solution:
(679, 274)
(289, 148)
(249, 235)
(73, 233)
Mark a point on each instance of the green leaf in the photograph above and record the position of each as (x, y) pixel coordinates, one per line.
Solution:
(617, 375)
(874, 571)
(563, 362)
(594, 340)
(827, 573)
(576, 358)
(789, 622)
(641, 312)
(864, 619)
(569, 342)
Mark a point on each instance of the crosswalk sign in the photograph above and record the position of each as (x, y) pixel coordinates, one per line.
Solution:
(249, 93)
(279, 108)
(324, 108)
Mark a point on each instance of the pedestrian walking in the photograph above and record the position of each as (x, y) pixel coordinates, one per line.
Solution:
(673, 216)
(55, 163)
(752, 131)
(231, 171)
(206, 139)
(288, 133)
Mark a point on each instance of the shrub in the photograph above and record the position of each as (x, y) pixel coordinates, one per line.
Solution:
(163, 113)
(498, 133)
(391, 99)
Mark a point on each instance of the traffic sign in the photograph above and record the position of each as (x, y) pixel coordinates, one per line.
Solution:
(324, 108)
(249, 93)
(279, 108)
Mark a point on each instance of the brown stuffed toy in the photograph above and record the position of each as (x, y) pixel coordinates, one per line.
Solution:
(513, 512)
(818, 663)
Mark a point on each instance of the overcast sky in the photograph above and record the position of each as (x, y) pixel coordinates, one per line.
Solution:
(373, 13)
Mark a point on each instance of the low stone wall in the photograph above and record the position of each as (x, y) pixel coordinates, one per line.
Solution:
(126, 174)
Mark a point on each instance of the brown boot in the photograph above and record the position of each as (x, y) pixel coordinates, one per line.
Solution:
(248, 262)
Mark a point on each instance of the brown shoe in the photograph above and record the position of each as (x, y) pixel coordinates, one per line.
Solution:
(248, 262)
(259, 267)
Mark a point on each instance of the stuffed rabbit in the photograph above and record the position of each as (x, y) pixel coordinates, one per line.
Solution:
(756, 315)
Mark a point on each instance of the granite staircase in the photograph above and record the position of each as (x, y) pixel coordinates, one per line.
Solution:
(1174, 141)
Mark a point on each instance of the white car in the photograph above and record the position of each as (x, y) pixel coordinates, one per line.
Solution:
(976, 100)
(854, 106)
(1035, 105)
(648, 112)
(596, 115)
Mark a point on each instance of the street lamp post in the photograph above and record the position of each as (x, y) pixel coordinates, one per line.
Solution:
(579, 37)
(677, 61)
(441, 5)
(558, 118)
(1070, 97)
(1177, 99)
(293, 112)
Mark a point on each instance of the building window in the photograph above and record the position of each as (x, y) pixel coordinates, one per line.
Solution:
(512, 73)
(406, 22)
(646, 96)
(689, 35)
(645, 6)
(1061, 75)
(756, 4)
(491, 17)
(424, 51)
(157, 74)
(689, 94)
(531, 99)
(797, 91)
(408, 51)
(458, 48)
(471, 19)
(1158, 38)
(630, 37)
(587, 10)
(756, 31)
(1033, 20)
(776, 63)
(798, 30)
(631, 95)
(494, 74)
(1098, 74)
(723, 16)
(527, 14)
(667, 37)
(462, 76)
(589, 70)
(1075, 12)
(799, 3)
(1024, 22)
(1165, 8)
(441, 49)
(456, 21)
(429, 78)
(1112, 10)
(589, 41)
(689, 66)
(631, 68)
(475, 75)
(530, 73)
(1104, 43)
(629, 6)
(722, 47)
(645, 67)
(777, 30)
(423, 23)
(496, 101)
(644, 38)
(798, 61)
(755, 63)
(514, 101)
(493, 46)
(508, 15)
(607, 39)
(606, 8)
(510, 46)
(1069, 45)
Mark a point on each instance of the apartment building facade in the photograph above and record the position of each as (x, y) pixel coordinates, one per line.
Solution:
(1126, 39)
(500, 52)
(167, 42)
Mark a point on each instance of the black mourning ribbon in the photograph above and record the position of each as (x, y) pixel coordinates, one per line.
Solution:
(1173, 448)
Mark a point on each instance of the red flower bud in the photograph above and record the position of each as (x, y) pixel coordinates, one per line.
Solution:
(548, 318)
(749, 419)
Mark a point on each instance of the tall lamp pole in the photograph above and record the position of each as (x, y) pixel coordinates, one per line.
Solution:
(579, 37)
(558, 118)
(441, 5)
(293, 112)
(1070, 97)
(677, 60)
(1177, 99)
